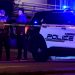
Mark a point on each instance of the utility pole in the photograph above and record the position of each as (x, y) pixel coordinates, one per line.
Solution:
(60, 4)
(55, 4)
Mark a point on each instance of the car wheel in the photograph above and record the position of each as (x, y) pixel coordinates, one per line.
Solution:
(38, 48)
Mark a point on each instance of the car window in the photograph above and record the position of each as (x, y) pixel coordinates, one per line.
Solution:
(59, 18)
(54, 18)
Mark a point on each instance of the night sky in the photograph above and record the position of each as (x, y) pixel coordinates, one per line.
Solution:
(53, 2)
(70, 3)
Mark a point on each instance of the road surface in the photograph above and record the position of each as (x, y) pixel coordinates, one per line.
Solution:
(51, 67)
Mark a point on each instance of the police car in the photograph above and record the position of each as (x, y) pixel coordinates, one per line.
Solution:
(53, 34)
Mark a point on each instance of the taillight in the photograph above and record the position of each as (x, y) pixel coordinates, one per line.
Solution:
(26, 29)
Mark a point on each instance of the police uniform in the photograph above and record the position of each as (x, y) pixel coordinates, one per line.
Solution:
(21, 37)
(4, 37)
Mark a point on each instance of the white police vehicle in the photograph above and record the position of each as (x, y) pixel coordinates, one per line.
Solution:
(57, 34)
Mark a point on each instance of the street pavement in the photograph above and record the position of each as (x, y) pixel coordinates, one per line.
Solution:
(51, 67)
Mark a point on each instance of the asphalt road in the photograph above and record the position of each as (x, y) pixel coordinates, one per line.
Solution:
(51, 67)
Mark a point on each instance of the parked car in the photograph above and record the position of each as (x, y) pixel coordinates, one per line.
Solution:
(52, 34)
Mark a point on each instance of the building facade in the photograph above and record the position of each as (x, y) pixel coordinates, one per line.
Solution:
(31, 1)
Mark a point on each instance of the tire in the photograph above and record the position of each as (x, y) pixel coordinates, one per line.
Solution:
(38, 48)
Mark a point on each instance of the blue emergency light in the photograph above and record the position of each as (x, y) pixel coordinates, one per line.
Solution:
(35, 22)
(64, 7)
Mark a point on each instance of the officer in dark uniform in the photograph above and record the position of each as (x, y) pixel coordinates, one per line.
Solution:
(21, 37)
(4, 35)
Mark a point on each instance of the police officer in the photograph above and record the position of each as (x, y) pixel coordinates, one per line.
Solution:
(21, 37)
(4, 35)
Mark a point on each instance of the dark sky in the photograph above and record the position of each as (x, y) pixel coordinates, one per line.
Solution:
(70, 3)
(53, 2)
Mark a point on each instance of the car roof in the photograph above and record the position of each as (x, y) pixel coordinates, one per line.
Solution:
(59, 11)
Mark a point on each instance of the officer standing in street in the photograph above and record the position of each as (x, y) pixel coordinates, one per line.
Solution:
(21, 37)
(4, 35)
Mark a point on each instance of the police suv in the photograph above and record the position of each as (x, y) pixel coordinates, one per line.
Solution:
(53, 34)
